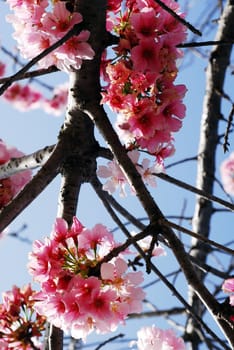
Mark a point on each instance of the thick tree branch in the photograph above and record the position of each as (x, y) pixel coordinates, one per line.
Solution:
(31, 161)
(38, 183)
(216, 70)
(97, 114)
(80, 146)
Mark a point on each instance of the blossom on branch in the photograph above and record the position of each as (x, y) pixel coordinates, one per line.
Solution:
(38, 26)
(79, 293)
(153, 338)
(116, 179)
(57, 103)
(227, 174)
(20, 326)
(2, 69)
(228, 287)
(10, 186)
(23, 97)
(141, 78)
(157, 249)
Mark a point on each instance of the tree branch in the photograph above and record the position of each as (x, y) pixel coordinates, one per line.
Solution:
(219, 61)
(178, 18)
(74, 31)
(31, 161)
(193, 189)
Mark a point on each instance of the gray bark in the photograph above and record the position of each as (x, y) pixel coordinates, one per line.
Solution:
(216, 70)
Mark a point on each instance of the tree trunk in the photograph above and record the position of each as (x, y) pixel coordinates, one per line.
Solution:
(209, 138)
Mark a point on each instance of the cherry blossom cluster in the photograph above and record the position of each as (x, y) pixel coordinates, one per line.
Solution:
(141, 77)
(26, 97)
(9, 187)
(23, 97)
(56, 105)
(145, 245)
(227, 174)
(228, 287)
(39, 24)
(20, 326)
(116, 179)
(153, 338)
(79, 293)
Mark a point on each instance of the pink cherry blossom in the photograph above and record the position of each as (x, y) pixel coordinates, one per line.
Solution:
(70, 55)
(228, 287)
(99, 239)
(10, 187)
(57, 103)
(145, 23)
(140, 80)
(20, 326)
(22, 97)
(145, 56)
(147, 171)
(145, 245)
(143, 125)
(153, 338)
(74, 296)
(116, 178)
(58, 22)
(114, 5)
(38, 26)
(61, 231)
(2, 68)
(227, 174)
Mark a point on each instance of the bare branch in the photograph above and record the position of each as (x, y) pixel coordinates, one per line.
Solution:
(31, 161)
(195, 190)
(226, 143)
(178, 18)
(109, 340)
(104, 196)
(157, 313)
(209, 139)
(31, 74)
(206, 43)
(200, 237)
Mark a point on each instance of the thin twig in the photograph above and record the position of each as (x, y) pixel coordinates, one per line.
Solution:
(76, 29)
(206, 43)
(181, 162)
(32, 74)
(207, 268)
(121, 335)
(178, 18)
(198, 236)
(159, 313)
(155, 270)
(125, 213)
(194, 190)
(226, 143)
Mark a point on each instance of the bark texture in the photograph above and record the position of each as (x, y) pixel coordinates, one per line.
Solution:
(209, 138)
